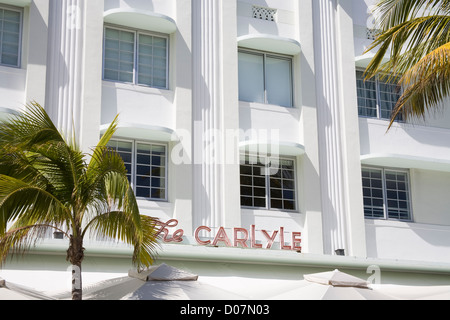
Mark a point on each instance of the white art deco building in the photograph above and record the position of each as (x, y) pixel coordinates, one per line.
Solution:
(246, 126)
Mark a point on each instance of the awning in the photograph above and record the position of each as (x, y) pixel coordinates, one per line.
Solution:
(140, 19)
(11, 291)
(271, 43)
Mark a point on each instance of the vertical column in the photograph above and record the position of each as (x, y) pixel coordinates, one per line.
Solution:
(73, 95)
(37, 52)
(91, 68)
(181, 177)
(311, 204)
(64, 76)
(356, 235)
(207, 205)
(215, 110)
(329, 108)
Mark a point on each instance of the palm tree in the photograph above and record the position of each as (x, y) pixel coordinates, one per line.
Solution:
(47, 184)
(417, 33)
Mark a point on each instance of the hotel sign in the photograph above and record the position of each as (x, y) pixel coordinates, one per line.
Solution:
(241, 237)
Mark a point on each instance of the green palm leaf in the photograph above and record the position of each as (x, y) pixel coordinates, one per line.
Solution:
(427, 84)
(415, 36)
(45, 183)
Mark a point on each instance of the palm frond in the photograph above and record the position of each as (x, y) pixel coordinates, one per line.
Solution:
(28, 204)
(145, 250)
(105, 184)
(140, 232)
(16, 163)
(120, 220)
(45, 182)
(32, 126)
(415, 36)
(408, 42)
(98, 151)
(390, 13)
(22, 238)
(426, 85)
(32, 146)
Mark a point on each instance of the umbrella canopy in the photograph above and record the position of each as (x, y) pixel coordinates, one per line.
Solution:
(162, 282)
(10, 291)
(336, 278)
(415, 292)
(334, 285)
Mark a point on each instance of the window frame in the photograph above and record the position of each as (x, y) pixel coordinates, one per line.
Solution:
(267, 186)
(384, 170)
(19, 50)
(137, 33)
(133, 174)
(377, 81)
(265, 55)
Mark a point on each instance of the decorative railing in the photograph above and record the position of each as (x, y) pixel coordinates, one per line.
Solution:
(264, 13)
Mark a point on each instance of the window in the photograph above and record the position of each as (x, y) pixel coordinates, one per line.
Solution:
(386, 194)
(265, 78)
(376, 97)
(146, 166)
(10, 36)
(265, 187)
(135, 57)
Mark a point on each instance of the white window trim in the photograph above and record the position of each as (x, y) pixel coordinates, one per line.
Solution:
(134, 142)
(266, 54)
(19, 58)
(267, 186)
(378, 99)
(385, 207)
(136, 32)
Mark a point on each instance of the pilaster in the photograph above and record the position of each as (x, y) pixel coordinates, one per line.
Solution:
(73, 95)
(64, 62)
(211, 117)
(37, 51)
(329, 108)
(339, 148)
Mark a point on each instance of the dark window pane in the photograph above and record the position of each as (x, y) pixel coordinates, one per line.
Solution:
(276, 204)
(246, 181)
(246, 191)
(260, 202)
(259, 192)
(157, 193)
(143, 159)
(246, 201)
(276, 193)
(289, 205)
(143, 192)
(142, 181)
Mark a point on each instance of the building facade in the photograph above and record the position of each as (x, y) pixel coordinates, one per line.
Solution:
(245, 126)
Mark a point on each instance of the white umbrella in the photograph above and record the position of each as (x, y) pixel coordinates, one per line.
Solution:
(11, 291)
(162, 282)
(415, 292)
(334, 285)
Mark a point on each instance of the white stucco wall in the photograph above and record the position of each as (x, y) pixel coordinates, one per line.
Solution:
(418, 146)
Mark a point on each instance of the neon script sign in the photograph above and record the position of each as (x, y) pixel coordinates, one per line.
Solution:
(241, 237)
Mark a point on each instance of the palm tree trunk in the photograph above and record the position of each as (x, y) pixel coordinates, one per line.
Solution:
(77, 289)
(75, 254)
